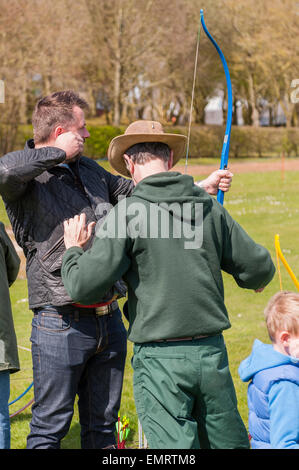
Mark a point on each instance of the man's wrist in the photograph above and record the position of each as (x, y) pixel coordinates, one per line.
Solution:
(74, 246)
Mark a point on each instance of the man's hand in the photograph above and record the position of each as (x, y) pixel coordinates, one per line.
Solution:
(219, 179)
(76, 233)
(259, 290)
(71, 143)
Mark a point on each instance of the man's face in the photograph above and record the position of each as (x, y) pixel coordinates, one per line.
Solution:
(79, 125)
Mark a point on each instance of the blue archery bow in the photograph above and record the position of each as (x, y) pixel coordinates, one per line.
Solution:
(226, 141)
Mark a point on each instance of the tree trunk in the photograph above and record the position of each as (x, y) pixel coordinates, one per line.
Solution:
(117, 69)
(270, 115)
(254, 111)
(91, 102)
(47, 85)
(23, 102)
(234, 118)
(288, 109)
(116, 115)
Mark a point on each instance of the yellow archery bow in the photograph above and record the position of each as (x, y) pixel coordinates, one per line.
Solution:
(279, 255)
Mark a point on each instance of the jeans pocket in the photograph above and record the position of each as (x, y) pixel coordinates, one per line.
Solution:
(51, 322)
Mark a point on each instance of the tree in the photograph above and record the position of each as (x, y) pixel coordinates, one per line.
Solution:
(123, 39)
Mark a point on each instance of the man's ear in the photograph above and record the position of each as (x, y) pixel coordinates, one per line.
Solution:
(58, 131)
(170, 161)
(129, 164)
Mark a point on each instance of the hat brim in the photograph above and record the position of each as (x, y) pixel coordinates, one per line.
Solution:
(121, 143)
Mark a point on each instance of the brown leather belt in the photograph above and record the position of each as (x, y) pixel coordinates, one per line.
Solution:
(186, 338)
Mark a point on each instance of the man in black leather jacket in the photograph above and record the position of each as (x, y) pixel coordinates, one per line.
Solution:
(76, 349)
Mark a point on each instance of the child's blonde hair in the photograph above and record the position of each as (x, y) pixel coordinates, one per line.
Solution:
(282, 313)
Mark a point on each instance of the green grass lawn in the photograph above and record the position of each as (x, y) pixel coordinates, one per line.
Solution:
(264, 205)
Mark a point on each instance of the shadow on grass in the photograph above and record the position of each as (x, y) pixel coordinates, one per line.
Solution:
(21, 418)
(72, 439)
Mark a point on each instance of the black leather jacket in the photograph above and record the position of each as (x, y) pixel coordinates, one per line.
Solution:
(39, 194)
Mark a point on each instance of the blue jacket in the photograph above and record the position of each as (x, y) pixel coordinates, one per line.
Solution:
(273, 397)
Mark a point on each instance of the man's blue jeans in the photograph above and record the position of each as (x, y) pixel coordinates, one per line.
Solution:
(75, 352)
(4, 413)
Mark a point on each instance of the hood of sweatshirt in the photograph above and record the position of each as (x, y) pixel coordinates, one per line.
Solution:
(173, 187)
(263, 356)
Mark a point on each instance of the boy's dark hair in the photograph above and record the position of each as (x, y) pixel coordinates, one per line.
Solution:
(53, 110)
(144, 152)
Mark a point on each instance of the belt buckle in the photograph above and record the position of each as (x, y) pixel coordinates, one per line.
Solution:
(105, 309)
(100, 311)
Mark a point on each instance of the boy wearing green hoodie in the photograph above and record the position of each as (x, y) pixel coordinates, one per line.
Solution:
(169, 241)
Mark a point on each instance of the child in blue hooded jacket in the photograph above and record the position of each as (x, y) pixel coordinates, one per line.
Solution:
(273, 372)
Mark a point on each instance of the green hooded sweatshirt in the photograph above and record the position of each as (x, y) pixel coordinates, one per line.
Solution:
(9, 268)
(169, 241)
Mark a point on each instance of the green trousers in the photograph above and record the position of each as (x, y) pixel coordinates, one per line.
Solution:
(185, 396)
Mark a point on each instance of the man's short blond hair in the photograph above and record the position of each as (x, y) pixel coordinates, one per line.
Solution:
(282, 313)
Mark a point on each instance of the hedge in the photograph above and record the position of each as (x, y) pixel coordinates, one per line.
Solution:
(97, 144)
(205, 141)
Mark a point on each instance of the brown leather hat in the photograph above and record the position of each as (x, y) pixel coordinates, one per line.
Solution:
(140, 132)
